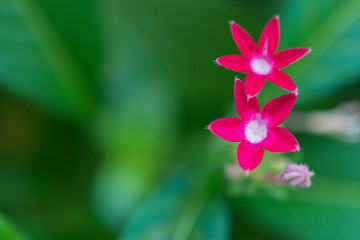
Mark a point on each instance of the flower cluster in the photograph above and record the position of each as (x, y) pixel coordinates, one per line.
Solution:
(258, 129)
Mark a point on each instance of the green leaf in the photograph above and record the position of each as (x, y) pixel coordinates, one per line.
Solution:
(308, 214)
(330, 157)
(116, 191)
(137, 121)
(183, 208)
(214, 221)
(8, 232)
(136, 136)
(332, 202)
(77, 23)
(35, 63)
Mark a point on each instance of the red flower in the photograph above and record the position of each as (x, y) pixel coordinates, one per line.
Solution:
(257, 129)
(261, 62)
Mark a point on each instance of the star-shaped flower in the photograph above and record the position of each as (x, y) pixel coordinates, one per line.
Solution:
(257, 129)
(261, 62)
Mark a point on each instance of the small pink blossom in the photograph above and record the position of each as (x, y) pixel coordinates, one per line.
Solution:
(297, 175)
(261, 62)
(257, 129)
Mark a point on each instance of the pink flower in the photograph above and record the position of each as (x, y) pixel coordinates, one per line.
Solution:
(261, 62)
(297, 175)
(257, 129)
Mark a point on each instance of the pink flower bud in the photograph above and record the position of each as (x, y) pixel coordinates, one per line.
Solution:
(297, 175)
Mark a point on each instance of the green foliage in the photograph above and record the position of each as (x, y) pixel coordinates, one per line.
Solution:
(136, 123)
(36, 65)
(300, 220)
(8, 232)
(184, 208)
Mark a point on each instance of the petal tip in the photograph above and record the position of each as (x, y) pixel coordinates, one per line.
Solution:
(248, 97)
(209, 127)
(247, 172)
(293, 95)
(238, 80)
(296, 92)
(297, 148)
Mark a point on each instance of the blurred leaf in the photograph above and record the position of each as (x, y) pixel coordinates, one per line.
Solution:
(116, 191)
(136, 124)
(331, 157)
(332, 30)
(137, 136)
(296, 219)
(214, 221)
(332, 202)
(77, 23)
(36, 65)
(184, 208)
(8, 232)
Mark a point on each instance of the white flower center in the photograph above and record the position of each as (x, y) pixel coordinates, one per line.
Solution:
(256, 130)
(260, 66)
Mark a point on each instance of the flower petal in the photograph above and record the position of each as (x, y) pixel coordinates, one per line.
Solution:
(243, 40)
(280, 140)
(288, 56)
(253, 85)
(235, 62)
(246, 109)
(249, 155)
(229, 128)
(272, 33)
(278, 109)
(282, 80)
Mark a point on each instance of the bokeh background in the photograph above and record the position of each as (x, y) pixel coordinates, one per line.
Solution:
(103, 113)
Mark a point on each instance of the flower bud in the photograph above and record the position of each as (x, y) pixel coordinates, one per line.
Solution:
(297, 175)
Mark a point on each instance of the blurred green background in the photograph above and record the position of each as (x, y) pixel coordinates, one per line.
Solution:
(103, 110)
